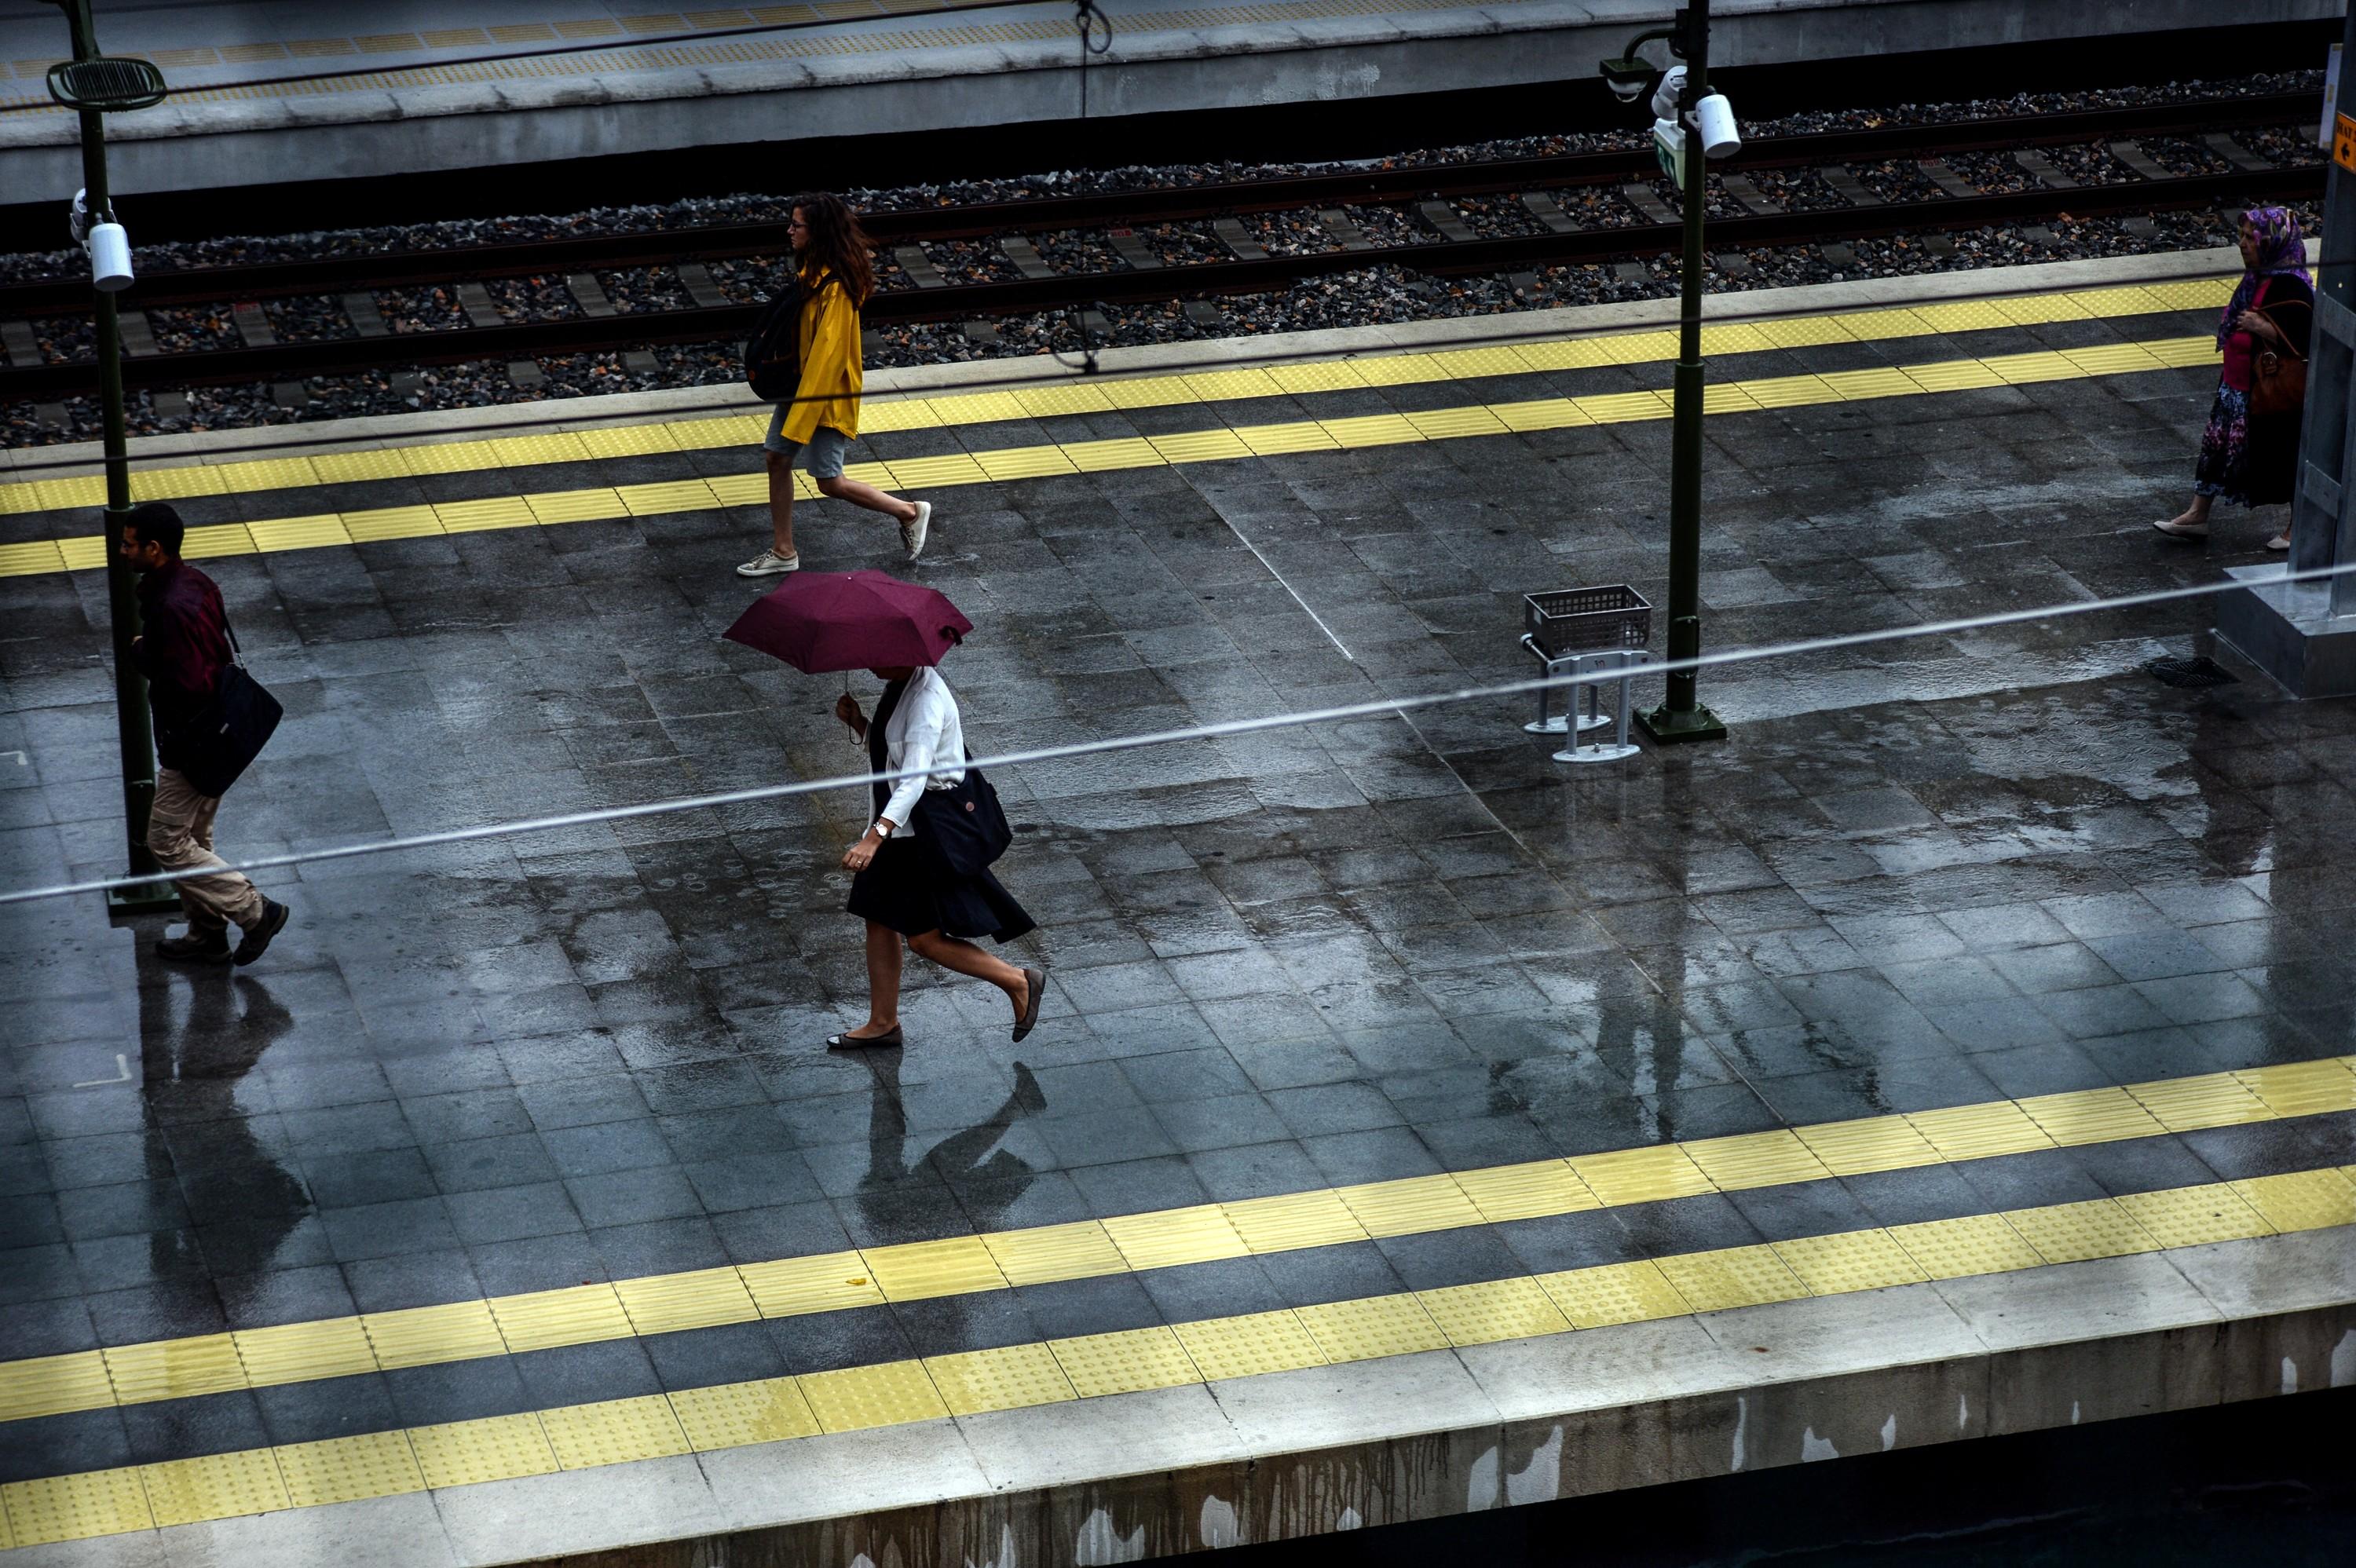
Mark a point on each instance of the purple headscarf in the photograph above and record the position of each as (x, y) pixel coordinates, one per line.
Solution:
(2282, 252)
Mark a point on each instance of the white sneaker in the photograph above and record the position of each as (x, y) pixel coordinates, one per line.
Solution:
(912, 531)
(769, 563)
(2177, 531)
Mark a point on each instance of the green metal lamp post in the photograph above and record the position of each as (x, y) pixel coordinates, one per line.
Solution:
(94, 87)
(1681, 716)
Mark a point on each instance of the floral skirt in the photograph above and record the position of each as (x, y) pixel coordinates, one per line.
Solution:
(2246, 459)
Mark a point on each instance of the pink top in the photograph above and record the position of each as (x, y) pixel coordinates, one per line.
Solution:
(2242, 348)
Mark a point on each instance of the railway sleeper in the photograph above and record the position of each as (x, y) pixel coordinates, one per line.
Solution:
(2131, 154)
(137, 332)
(1343, 232)
(1847, 187)
(252, 324)
(1547, 211)
(1748, 196)
(1025, 256)
(586, 292)
(1132, 250)
(366, 315)
(17, 344)
(1445, 221)
(1231, 232)
(696, 279)
(475, 299)
(2040, 168)
(918, 266)
(526, 374)
(1645, 200)
(2224, 144)
(1939, 174)
(170, 404)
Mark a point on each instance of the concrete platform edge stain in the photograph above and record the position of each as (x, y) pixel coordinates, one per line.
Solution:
(1310, 59)
(1424, 1437)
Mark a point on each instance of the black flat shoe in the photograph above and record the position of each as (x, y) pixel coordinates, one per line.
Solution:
(863, 1042)
(1034, 987)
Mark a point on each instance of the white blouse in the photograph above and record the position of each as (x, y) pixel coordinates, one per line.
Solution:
(924, 726)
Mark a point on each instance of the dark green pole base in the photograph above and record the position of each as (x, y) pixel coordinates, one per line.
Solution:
(1668, 726)
(147, 898)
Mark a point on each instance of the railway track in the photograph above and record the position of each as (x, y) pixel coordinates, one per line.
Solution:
(1646, 225)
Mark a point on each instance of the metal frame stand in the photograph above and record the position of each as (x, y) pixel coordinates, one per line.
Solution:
(1559, 723)
(1625, 660)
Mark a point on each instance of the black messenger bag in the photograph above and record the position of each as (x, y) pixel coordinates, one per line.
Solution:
(773, 354)
(964, 828)
(232, 729)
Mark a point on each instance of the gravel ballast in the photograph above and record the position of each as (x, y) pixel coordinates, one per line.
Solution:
(1364, 296)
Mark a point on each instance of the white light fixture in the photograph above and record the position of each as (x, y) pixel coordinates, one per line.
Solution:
(110, 258)
(1713, 117)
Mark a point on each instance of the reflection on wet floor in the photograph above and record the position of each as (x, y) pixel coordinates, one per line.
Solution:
(1952, 872)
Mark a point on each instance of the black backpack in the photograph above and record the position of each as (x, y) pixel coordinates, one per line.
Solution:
(773, 355)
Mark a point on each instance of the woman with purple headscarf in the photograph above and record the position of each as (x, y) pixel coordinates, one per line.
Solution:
(2246, 457)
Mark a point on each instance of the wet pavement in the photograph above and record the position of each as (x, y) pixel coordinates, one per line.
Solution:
(1278, 963)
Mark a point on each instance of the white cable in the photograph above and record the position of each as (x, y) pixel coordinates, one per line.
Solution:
(1167, 737)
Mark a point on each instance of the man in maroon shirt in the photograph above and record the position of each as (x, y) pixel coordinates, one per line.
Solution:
(182, 649)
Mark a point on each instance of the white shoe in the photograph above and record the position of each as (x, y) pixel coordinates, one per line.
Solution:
(912, 531)
(769, 563)
(2177, 531)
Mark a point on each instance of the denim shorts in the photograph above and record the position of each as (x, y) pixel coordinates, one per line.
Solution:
(827, 446)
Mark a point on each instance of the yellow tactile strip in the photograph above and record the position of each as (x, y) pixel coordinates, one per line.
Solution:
(664, 1304)
(949, 411)
(573, 1437)
(83, 552)
(676, 56)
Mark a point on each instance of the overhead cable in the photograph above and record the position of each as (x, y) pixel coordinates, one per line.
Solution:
(587, 46)
(1371, 710)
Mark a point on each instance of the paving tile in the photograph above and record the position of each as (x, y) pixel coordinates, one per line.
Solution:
(1373, 952)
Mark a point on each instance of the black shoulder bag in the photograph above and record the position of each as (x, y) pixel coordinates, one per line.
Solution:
(233, 727)
(773, 355)
(964, 828)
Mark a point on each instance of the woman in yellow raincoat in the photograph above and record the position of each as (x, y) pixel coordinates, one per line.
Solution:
(822, 418)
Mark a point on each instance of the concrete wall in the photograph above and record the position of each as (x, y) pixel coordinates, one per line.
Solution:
(195, 146)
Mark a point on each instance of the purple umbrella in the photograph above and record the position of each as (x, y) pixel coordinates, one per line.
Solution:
(821, 621)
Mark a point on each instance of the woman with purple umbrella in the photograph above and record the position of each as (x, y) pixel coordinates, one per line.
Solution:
(905, 895)
(922, 868)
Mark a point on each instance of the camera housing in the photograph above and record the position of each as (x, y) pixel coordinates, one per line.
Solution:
(1627, 77)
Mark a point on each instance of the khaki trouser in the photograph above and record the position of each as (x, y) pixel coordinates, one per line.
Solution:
(180, 835)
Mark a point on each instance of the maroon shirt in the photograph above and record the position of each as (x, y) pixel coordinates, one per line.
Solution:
(182, 646)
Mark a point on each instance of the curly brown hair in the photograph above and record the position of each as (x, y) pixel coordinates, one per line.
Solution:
(837, 243)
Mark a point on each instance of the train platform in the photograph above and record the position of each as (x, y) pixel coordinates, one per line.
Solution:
(453, 87)
(1416, 1125)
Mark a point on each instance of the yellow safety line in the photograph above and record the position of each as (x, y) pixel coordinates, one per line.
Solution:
(948, 470)
(881, 416)
(770, 1410)
(957, 1265)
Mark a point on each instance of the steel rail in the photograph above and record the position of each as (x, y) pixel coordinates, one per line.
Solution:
(974, 301)
(334, 274)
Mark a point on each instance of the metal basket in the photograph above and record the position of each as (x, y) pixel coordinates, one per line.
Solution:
(1588, 620)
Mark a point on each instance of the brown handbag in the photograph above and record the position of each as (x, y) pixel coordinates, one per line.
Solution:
(2278, 376)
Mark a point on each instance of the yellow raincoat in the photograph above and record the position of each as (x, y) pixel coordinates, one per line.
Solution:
(830, 382)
